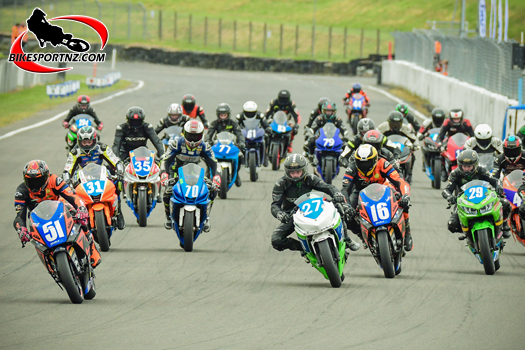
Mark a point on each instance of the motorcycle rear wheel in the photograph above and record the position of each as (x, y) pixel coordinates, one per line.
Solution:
(486, 252)
(437, 173)
(224, 184)
(102, 232)
(142, 206)
(189, 219)
(387, 260)
(69, 281)
(329, 264)
(276, 161)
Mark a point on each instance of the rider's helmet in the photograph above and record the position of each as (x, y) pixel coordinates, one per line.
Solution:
(329, 109)
(365, 125)
(456, 117)
(188, 102)
(374, 138)
(283, 97)
(250, 109)
(438, 117)
(295, 167)
(356, 88)
(365, 159)
(321, 102)
(483, 134)
(223, 111)
(83, 102)
(395, 121)
(468, 163)
(403, 109)
(36, 175)
(87, 138)
(135, 117)
(174, 112)
(193, 133)
(512, 148)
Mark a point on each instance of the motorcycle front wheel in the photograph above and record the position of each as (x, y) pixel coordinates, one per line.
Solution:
(189, 219)
(485, 251)
(387, 260)
(70, 282)
(142, 206)
(329, 264)
(102, 232)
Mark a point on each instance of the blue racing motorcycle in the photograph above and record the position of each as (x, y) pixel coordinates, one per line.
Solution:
(328, 147)
(255, 147)
(227, 155)
(189, 204)
(280, 139)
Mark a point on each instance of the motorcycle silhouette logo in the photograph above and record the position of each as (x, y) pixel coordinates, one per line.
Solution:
(48, 33)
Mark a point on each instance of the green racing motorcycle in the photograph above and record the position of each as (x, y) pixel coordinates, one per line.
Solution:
(481, 216)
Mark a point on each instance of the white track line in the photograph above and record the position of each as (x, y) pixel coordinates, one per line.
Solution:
(398, 100)
(59, 115)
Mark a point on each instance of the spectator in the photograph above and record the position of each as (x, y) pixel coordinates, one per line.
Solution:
(15, 32)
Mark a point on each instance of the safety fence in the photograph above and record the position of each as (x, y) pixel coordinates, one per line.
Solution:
(479, 61)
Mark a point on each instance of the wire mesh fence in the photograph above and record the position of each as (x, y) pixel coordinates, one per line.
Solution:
(129, 23)
(479, 61)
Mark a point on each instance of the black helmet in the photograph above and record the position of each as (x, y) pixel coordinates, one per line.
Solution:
(365, 157)
(135, 117)
(365, 125)
(223, 108)
(294, 163)
(374, 138)
(83, 102)
(321, 102)
(468, 162)
(36, 175)
(395, 121)
(188, 102)
(283, 97)
(456, 117)
(438, 117)
(356, 88)
(402, 108)
(87, 138)
(512, 148)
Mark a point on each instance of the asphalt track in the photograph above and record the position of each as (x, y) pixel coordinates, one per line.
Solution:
(234, 290)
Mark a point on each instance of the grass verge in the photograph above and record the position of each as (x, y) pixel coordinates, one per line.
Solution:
(20, 104)
(414, 101)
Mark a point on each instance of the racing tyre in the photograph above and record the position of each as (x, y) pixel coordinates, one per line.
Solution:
(70, 282)
(92, 290)
(189, 219)
(102, 232)
(224, 184)
(387, 260)
(328, 171)
(142, 206)
(436, 169)
(486, 252)
(329, 264)
(276, 155)
(355, 121)
(253, 167)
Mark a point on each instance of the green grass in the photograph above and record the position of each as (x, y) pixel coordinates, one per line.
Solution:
(20, 104)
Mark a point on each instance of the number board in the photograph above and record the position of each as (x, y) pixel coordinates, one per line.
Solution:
(52, 230)
(190, 191)
(476, 194)
(458, 152)
(312, 208)
(94, 187)
(399, 145)
(513, 197)
(378, 211)
(434, 137)
(142, 166)
(83, 122)
(357, 104)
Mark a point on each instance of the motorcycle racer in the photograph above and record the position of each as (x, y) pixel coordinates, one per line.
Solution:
(192, 110)
(175, 117)
(83, 106)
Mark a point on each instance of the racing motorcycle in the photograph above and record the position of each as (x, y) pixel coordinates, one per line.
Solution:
(433, 158)
(319, 228)
(255, 147)
(356, 110)
(189, 204)
(169, 134)
(511, 184)
(328, 148)
(479, 209)
(63, 248)
(142, 184)
(280, 138)
(486, 160)
(227, 155)
(77, 122)
(406, 159)
(455, 145)
(99, 194)
(383, 226)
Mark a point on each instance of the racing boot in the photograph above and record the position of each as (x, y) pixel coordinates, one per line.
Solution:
(238, 181)
(408, 239)
(207, 226)
(506, 229)
(167, 222)
(121, 223)
(350, 244)
(95, 254)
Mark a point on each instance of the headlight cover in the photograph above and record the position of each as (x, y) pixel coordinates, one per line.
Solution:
(469, 211)
(487, 208)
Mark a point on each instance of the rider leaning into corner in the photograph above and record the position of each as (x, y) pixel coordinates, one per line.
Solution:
(39, 186)
(287, 189)
(83, 106)
(189, 148)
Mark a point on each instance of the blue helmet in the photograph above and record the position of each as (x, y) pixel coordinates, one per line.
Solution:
(356, 87)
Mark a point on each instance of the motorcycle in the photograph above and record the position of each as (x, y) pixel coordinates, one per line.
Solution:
(356, 110)
(227, 155)
(486, 160)
(99, 195)
(455, 145)
(189, 204)
(255, 147)
(142, 184)
(479, 209)
(328, 149)
(169, 134)
(319, 228)
(63, 248)
(511, 184)
(383, 227)
(280, 139)
(77, 122)
(433, 158)
(406, 159)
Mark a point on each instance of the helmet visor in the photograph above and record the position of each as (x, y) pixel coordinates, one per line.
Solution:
(484, 143)
(87, 144)
(366, 167)
(193, 137)
(83, 106)
(188, 106)
(438, 120)
(174, 117)
(35, 183)
(136, 122)
(395, 125)
(223, 116)
(455, 121)
(512, 153)
(250, 114)
(467, 168)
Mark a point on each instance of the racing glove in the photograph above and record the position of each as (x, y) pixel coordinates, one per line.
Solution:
(100, 126)
(216, 182)
(242, 146)
(284, 218)
(82, 215)
(65, 124)
(451, 199)
(339, 197)
(163, 179)
(499, 191)
(24, 235)
(404, 202)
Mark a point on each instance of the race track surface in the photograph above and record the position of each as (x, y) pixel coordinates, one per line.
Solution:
(234, 290)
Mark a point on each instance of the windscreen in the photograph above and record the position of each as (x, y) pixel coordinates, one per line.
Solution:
(192, 172)
(329, 130)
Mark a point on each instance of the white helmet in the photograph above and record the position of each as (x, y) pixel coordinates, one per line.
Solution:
(174, 111)
(250, 109)
(483, 134)
(193, 132)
